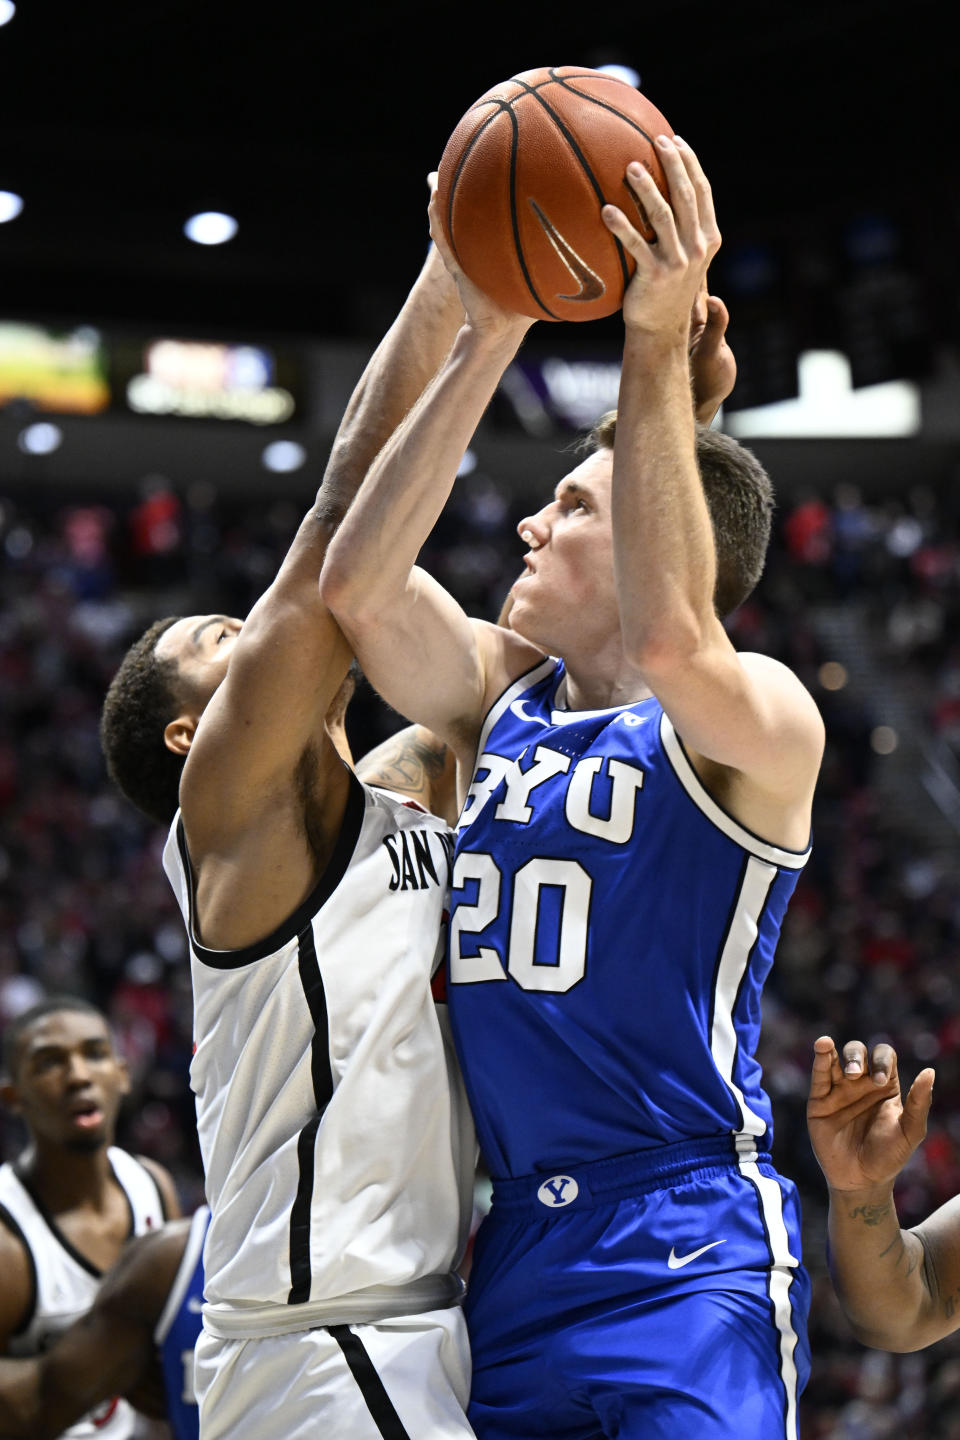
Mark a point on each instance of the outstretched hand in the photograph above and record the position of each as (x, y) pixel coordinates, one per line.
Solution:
(713, 368)
(670, 273)
(483, 314)
(861, 1131)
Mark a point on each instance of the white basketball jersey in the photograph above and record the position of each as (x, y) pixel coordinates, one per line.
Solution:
(65, 1283)
(337, 1145)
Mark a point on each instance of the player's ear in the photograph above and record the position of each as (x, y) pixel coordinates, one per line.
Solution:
(178, 734)
(123, 1070)
(10, 1097)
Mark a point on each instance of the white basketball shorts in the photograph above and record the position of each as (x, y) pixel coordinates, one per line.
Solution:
(401, 1379)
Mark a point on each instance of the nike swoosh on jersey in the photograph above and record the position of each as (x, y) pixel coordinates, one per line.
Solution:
(517, 709)
(677, 1262)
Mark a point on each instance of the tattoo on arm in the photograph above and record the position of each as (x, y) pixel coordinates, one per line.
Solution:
(913, 1260)
(871, 1214)
(409, 768)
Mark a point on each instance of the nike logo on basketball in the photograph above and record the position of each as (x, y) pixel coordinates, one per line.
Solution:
(677, 1262)
(591, 286)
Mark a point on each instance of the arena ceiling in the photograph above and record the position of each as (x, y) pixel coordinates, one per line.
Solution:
(315, 125)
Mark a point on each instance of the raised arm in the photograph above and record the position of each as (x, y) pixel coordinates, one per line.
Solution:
(404, 363)
(105, 1353)
(900, 1289)
(414, 642)
(749, 714)
(290, 656)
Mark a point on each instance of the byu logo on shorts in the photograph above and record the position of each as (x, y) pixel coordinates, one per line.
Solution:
(558, 1190)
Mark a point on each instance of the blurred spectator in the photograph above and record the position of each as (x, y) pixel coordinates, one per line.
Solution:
(871, 938)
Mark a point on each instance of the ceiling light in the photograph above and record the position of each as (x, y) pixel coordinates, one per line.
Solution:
(210, 227)
(7, 11)
(40, 439)
(282, 456)
(622, 72)
(10, 204)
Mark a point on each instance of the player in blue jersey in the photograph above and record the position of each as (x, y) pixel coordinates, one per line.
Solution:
(637, 801)
(137, 1340)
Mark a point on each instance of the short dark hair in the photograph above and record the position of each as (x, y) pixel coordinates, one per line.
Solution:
(739, 496)
(140, 703)
(15, 1029)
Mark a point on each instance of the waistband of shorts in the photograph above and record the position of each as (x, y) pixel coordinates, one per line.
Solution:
(363, 1307)
(638, 1173)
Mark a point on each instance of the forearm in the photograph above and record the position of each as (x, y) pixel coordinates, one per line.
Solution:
(400, 369)
(663, 542)
(22, 1409)
(879, 1271)
(369, 562)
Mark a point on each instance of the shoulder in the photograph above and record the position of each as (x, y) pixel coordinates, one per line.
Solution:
(13, 1242)
(169, 1199)
(784, 689)
(506, 656)
(19, 1288)
(523, 668)
(11, 1189)
(17, 1209)
(415, 764)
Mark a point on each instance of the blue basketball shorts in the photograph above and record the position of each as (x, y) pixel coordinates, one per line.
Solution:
(651, 1296)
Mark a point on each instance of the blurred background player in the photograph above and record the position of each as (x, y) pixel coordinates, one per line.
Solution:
(137, 1340)
(72, 1199)
(337, 1147)
(615, 909)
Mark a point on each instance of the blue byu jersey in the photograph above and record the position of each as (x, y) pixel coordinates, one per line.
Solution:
(178, 1329)
(611, 929)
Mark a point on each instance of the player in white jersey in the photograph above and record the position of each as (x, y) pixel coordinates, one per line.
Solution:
(137, 1339)
(72, 1199)
(337, 1147)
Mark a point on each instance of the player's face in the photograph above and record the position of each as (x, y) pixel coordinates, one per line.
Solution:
(68, 1081)
(201, 646)
(566, 595)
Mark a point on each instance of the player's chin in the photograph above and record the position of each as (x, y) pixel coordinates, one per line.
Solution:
(84, 1142)
(523, 619)
(517, 605)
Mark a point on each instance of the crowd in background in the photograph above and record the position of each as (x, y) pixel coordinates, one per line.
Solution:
(871, 939)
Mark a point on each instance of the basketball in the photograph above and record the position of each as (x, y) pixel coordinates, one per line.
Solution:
(522, 180)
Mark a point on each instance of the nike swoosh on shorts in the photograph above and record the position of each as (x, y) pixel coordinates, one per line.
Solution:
(677, 1262)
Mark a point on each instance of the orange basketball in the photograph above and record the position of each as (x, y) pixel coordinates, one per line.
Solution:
(522, 180)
